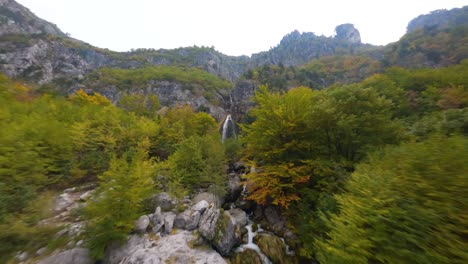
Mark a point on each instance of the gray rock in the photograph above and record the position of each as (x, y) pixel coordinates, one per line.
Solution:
(158, 220)
(165, 201)
(193, 222)
(116, 252)
(85, 196)
(187, 220)
(61, 233)
(239, 216)
(171, 249)
(22, 256)
(79, 243)
(347, 32)
(72, 256)
(201, 206)
(208, 223)
(227, 234)
(42, 251)
(142, 223)
(169, 222)
(209, 197)
(63, 201)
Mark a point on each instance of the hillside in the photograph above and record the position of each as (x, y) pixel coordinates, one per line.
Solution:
(320, 150)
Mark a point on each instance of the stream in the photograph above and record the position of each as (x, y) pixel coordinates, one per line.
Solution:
(251, 245)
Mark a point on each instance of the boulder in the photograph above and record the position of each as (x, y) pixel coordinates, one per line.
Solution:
(171, 249)
(42, 251)
(187, 220)
(240, 217)
(209, 197)
(85, 196)
(142, 223)
(227, 234)
(244, 204)
(158, 220)
(247, 256)
(165, 201)
(201, 206)
(22, 256)
(63, 201)
(169, 222)
(116, 252)
(208, 223)
(72, 256)
(272, 247)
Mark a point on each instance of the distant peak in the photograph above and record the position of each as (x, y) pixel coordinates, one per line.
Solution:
(348, 32)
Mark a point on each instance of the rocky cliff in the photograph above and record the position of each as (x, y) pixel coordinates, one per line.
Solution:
(299, 48)
(16, 19)
(439, 19)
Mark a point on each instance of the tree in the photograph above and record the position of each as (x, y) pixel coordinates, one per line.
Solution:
(407, 204)
(199, 162)
(118, 202)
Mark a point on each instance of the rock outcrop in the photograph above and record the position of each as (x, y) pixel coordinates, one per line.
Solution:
(227, 234)
(170, 249)
(208, 223)
(347, 32)
(272, 247)
(72, 256)
(164, 201)
(16, 19)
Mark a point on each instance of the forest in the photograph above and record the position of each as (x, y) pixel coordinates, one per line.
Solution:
(370, 171)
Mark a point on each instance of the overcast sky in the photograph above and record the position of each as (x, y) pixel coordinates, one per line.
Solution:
(234, 27)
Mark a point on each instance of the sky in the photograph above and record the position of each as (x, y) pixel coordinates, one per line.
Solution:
(233, 27)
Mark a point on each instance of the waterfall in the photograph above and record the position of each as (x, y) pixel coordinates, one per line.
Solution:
(228, 123)
(251, 245)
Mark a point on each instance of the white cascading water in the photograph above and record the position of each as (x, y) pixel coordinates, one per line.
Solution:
(251, 245)
(226, 128)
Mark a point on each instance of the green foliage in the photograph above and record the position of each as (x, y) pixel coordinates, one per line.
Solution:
(180, 123)
(199, 162)
(429, 47)
(140, 104)
(232, 149)
(19, 232)
(121, 192)
(318, 73)
(290, 130)
(405, 205)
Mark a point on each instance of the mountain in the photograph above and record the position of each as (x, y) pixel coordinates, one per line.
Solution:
(36, 51)
(433, 40)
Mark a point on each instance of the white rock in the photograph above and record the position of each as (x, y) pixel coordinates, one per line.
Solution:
(201, 206)
(142, 223)
(172, 249)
